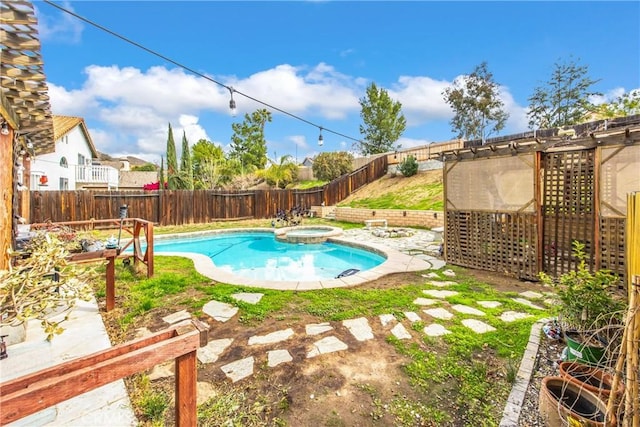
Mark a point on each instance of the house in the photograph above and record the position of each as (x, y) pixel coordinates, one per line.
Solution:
(308, 162)
(25, 113)
(71, 165)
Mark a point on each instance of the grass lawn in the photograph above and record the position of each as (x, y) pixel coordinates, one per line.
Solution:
(459, 379)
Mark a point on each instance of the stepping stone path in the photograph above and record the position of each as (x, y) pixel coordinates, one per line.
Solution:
(437, 293)
(326, 345)
(220, 311)
(435, 330)
(358, 328)
(251, 298)
(439, 313)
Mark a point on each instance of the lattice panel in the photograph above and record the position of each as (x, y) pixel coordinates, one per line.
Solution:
(504, 242)
(612, 241)
(567, 208)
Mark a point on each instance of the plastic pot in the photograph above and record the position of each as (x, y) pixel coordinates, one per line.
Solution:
(578, 349)
(563, 402)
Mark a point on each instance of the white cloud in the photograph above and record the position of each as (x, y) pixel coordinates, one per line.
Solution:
(60, 26)
(411, 142)
(421, 99)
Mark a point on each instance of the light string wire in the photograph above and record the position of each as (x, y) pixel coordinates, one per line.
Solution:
(191, 70)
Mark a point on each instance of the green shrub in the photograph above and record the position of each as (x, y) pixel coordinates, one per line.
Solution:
(329, 166)
(409, 166)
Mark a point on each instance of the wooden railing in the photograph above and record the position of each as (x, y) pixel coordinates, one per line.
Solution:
(135, 227)
(39, 390)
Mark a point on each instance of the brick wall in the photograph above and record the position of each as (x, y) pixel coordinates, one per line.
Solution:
(394, 217)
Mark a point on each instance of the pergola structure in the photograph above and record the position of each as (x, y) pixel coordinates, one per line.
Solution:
(516, 204)
(25, 113)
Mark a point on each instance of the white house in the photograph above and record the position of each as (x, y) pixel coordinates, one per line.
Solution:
(70, 166)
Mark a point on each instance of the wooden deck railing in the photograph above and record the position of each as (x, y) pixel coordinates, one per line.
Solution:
(135, 227)
(39, 390)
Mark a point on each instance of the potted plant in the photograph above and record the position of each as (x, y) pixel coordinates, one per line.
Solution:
(42, 286)
(588, 306)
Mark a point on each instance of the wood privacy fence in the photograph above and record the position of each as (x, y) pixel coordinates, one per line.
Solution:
(517, 206)
(177, 207)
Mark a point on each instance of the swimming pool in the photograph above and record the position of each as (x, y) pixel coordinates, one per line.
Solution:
(258, 255)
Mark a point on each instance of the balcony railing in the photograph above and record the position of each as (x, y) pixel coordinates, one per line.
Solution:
(97, 175)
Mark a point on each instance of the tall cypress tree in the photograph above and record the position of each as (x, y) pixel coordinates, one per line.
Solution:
(161, 177)
(186, 170)
(172, 162)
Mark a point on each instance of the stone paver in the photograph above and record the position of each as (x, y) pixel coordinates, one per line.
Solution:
(317, 328)
(449, 273)
(465, 309)
(386, 319)
(400, 332)
(527, 303)
(220, 311)
(164, 370)
(359, 328)
(424, 301)
(512, 316)
(248, 297)
(489, 304)
(326, 345)
(439, 313)
(436, 330)
(273, 337)
(441, 284)
(276, 357)
(204, 392)
(177, 317)
(431, 275)
(210, 352)
(412, 317)
(531, 295)
(439, 293)
(239, 369)
(437, 264)
(478, 326)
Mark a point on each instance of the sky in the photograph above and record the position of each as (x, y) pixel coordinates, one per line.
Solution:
(148, 64)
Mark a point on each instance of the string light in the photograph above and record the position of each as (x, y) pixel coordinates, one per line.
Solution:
(4, 128)
(232, 102)
(320, 138)
(232, 90)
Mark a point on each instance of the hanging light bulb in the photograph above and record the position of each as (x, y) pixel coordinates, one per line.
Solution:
(232, 102)
(4, 129)
(320, 138)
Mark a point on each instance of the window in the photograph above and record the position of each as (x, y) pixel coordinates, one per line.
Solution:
(63, 162)
(81, 159)
(64, 183)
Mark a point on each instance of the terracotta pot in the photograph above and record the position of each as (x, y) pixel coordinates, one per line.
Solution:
(563, 402)
(591, 378)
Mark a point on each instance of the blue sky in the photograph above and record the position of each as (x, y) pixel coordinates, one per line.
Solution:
(314, 60)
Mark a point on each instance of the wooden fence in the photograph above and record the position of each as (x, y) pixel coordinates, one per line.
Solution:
(177, 207)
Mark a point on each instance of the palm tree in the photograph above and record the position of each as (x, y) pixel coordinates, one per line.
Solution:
(280, 173)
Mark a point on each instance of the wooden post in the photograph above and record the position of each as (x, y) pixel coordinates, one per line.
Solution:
(149, 253)
(186, 375)
(111, 283)
(6, 197)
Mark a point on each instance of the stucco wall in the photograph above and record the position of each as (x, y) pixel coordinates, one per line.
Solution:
(394, 217)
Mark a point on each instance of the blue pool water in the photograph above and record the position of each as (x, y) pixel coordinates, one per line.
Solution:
(260, 256)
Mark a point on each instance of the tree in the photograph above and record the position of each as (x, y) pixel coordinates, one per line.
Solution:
(147, 167)
(161, 174)
(208, 163)
(172, 162)
(248, 144)
(626, 104)
(280, 173)
(475, 101)
(564, 99)
(186, 170)
(383, 121)
(329, 166)
(409, 166)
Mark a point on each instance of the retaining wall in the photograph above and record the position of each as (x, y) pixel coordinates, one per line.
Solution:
(394, 217)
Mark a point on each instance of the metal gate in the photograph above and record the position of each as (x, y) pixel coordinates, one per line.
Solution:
(568, 208)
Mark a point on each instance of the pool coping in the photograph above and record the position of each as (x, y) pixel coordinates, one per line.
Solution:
(396, 262)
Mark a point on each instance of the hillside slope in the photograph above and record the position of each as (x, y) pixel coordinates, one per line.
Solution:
(422, 191)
